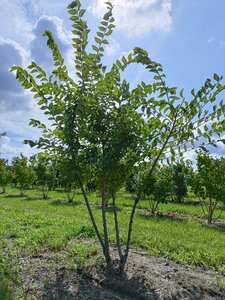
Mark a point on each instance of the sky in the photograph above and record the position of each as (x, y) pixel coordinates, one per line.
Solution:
(186, 36)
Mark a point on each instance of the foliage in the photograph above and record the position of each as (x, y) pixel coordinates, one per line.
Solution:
(209, 183)
(102, 125)
(23, 172)
(67, 177)
(45, 172)
(179, 180)
(5, 175)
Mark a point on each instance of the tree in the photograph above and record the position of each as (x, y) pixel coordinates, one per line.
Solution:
(179, 173)
(45, 173)
(23, 172)
(4, 174)
(209, 184)
(157, 188)
(103, 125)
(67, 177)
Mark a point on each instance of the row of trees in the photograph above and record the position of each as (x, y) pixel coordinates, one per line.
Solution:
(38, 171)
(172, 182)
(103, 127)
(167, 183)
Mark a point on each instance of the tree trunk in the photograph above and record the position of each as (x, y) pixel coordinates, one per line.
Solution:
(210, 212)
(118, 244)
(130, 228)
(104, 221)
(91, 216)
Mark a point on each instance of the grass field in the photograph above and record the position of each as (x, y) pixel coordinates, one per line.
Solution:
(30, 226)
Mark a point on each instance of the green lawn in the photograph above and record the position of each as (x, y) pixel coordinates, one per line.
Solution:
(30, 225)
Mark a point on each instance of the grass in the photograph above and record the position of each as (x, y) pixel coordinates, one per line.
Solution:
(30, 226)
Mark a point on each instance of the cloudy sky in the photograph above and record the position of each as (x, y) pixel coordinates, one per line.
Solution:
(187, 37)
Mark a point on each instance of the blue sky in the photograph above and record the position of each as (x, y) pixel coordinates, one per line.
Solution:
(187, 37)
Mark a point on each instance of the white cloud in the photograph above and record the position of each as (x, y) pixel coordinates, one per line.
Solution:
(222, 43)
(112, 48)
(39, 50)
(210, 40)
(17, 106)
(14, 21)
(138, 17)
(9, 150)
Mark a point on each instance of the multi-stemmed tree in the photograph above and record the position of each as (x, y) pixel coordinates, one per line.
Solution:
(105, 128)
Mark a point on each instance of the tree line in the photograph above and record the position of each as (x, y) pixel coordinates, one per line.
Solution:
(168, 183)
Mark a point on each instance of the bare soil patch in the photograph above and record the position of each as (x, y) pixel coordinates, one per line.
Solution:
(146, 277)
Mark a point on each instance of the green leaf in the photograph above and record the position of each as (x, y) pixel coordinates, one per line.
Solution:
(220, 87)
(81, 13)
(94, 48)
(216, 77)
(98, 41)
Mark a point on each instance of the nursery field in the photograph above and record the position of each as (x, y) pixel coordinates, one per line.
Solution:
(42, 238)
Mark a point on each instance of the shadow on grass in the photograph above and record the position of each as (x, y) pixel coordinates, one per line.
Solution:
(215, 226)
(35, 198)
(59, 202)
(16, 196)
(109, 208)
(64, 192)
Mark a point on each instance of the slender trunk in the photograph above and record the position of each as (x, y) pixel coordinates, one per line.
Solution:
(118, 244)
(91, 216)
(210, 211)
(130, 228)
(104, 203)
(21, 191)
(104, 221)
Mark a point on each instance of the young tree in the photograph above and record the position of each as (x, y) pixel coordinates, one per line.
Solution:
(24, 173)
(67, 177)
(4, 174)
(179, 173)
(157, 188)
(209, 184)
(103, 125)
(45, 173)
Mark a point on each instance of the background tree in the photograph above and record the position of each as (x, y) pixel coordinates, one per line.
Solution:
(23, 172)
(45, 173)
(5, 175)
(67, 177)
(100, 123)
(208, 184)
(179, 173)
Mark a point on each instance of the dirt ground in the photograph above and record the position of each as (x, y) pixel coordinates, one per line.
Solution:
(147, 277)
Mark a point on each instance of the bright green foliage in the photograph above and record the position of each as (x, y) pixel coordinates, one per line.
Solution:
(179, 173)
(157, 189)
(45, 172)
(67, 177)
(5, 175)
(23, 173)
(103, 127)
(209, 183)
